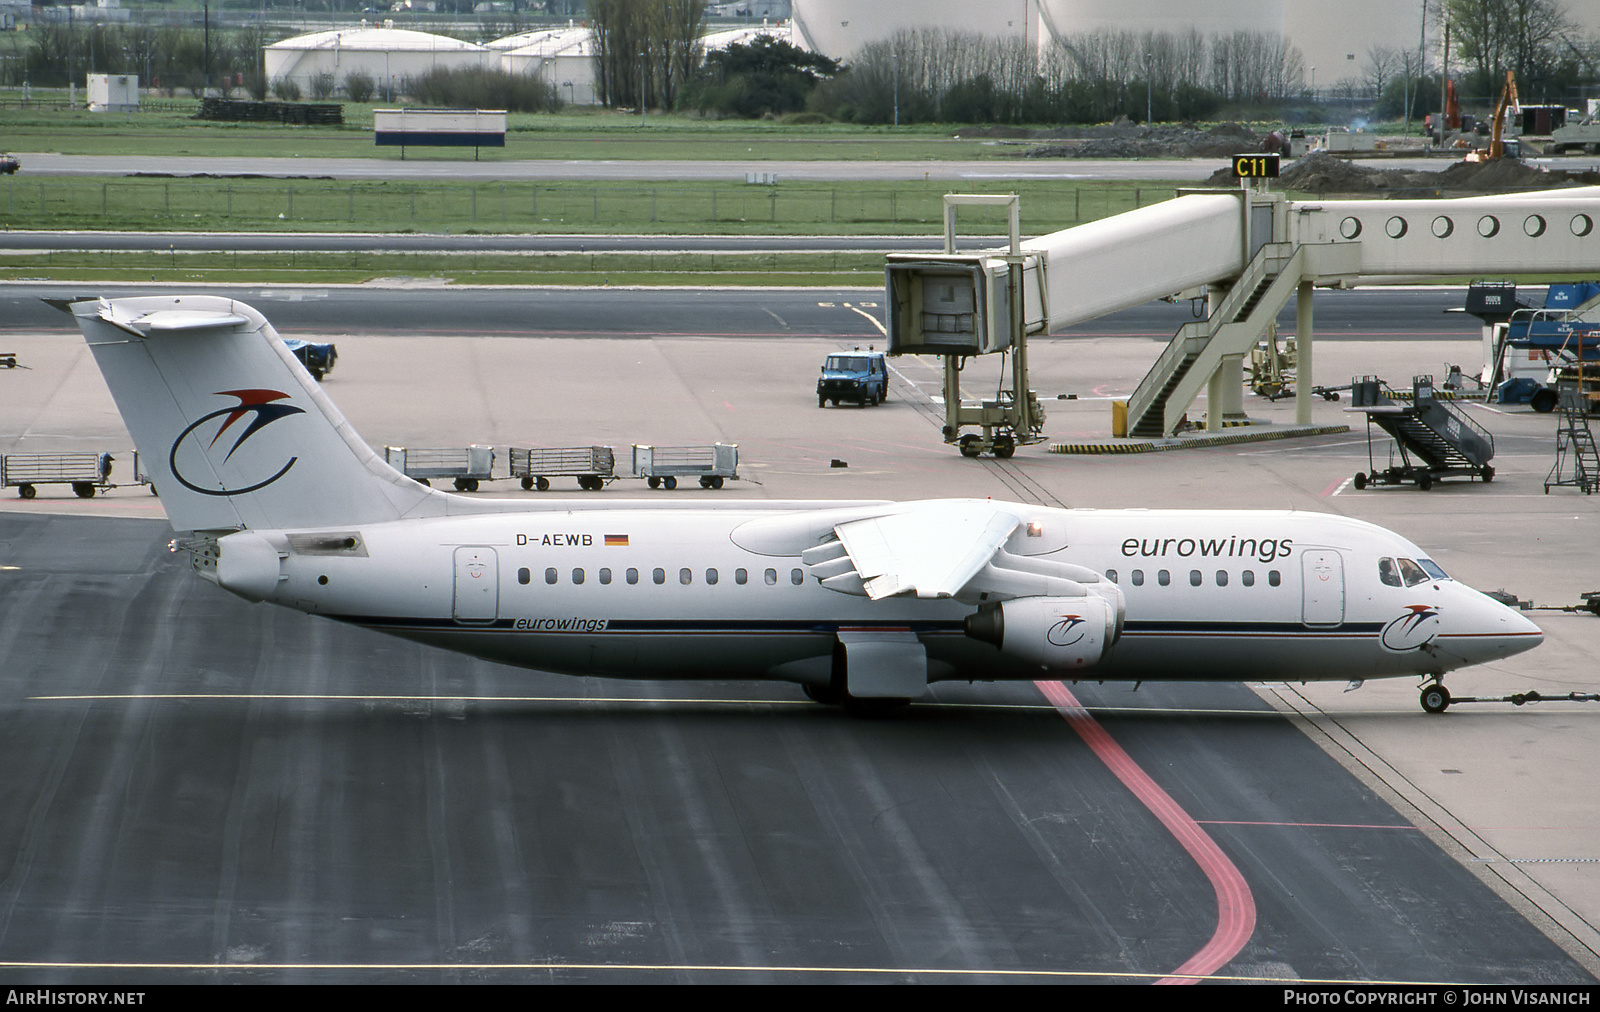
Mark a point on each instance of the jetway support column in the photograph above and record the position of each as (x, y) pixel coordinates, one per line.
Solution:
(1303, 381)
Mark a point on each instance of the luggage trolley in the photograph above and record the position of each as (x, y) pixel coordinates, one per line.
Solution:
(466, 465)
(662, 466)
(593, 466)
(87, 473)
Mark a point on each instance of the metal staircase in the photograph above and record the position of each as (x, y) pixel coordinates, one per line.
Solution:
(1443, 441)
(1577, 462)
(1159, 403)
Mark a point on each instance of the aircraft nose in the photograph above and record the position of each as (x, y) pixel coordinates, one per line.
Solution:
(1497, 631)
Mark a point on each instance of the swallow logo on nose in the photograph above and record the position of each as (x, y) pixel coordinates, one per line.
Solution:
(1412, 629)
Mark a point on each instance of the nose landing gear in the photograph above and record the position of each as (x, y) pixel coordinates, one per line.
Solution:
(1435, 697)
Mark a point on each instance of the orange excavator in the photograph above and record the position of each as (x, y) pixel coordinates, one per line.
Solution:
(1497, 124)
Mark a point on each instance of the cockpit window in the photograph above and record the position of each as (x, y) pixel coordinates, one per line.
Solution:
(1432, 570)
(1412, 573)
(1388, 573)
(1408, 572)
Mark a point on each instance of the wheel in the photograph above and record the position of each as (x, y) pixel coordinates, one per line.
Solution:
(425, 483)
(1360, 480)
(1424, 481)
(83, 490)
(884, 395)
(527, 483)
(27, 491)
(669, 482)
(1487, 474)
(653, 481)
(1544, 401)
(1435, 698)
(466, 484)
(716, 481)
(822, 401)
(1004, 447)
(705, 482)
(969, 445)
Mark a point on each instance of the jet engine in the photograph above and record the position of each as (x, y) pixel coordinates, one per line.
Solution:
(1057, 633)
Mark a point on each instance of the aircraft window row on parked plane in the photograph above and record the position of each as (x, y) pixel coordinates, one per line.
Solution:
(1408, 572)
(1197, 578)
(552, 576)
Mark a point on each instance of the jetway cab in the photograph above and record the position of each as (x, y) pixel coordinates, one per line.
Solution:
(961, 305)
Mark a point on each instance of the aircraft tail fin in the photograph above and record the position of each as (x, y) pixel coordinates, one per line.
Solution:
(231, 428)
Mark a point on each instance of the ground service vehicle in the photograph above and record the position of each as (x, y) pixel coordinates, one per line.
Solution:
(860, 376)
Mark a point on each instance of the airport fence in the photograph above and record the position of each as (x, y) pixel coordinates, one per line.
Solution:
(204, 203)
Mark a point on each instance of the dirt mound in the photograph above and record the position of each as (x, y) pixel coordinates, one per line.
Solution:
(1125, 140)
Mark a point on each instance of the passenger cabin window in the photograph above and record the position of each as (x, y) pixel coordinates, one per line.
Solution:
(1222, 577)
(711, 576)
(1195, 579)
(1248, 578)
(659, 576)
(524, 576)
(1137, 576)
(605, 576)
(633, 576)
(685, 576)
(1164, 578)
(797, 576)
(1111, 574)
(1273, 578)
(741, 577)
(771, 576)
(550, 575)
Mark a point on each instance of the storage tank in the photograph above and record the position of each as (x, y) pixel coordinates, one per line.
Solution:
(1070, 17)
(838, 28)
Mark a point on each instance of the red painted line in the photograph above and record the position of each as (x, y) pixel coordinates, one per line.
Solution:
(1236, 907)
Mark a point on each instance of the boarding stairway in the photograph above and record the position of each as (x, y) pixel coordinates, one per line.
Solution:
(1158, 405)
(1442, 440)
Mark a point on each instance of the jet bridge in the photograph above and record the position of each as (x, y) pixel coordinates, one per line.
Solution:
(1250, 250)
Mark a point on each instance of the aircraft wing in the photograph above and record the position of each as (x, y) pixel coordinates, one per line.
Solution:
(933, 549)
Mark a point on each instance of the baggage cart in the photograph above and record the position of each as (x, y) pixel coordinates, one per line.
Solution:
(86, 472)
(662, 466)
(465, 465)
(593, 466)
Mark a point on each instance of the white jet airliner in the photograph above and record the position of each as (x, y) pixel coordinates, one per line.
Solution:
(855, 601)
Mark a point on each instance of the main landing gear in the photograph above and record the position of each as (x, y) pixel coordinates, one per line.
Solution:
(1435, 697)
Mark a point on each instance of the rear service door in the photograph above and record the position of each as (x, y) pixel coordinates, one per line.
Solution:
(1322, 583)
(477, 597)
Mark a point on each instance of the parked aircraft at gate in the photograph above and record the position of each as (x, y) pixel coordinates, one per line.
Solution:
(855, 601)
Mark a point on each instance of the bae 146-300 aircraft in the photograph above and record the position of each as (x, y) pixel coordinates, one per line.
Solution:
(858, 602)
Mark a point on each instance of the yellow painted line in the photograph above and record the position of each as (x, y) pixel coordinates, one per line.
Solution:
(713, 968)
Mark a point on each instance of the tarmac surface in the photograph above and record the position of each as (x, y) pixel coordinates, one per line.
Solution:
(207, 790)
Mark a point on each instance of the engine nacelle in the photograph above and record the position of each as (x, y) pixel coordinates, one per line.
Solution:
(1056, 633)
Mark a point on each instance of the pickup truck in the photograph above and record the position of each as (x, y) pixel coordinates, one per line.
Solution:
(860, 376)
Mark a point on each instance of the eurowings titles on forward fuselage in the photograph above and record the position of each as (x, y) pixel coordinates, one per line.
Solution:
(852, 600)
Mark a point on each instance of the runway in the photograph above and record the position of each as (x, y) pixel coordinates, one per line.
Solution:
(205, 790)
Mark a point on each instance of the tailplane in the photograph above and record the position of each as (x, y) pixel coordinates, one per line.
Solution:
(232, 430)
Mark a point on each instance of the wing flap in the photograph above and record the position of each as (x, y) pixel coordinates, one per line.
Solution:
(931, 550)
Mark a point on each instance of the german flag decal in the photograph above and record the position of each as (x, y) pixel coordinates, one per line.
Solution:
(616, 541)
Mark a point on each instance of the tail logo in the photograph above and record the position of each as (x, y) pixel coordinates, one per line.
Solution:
(256, 403)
